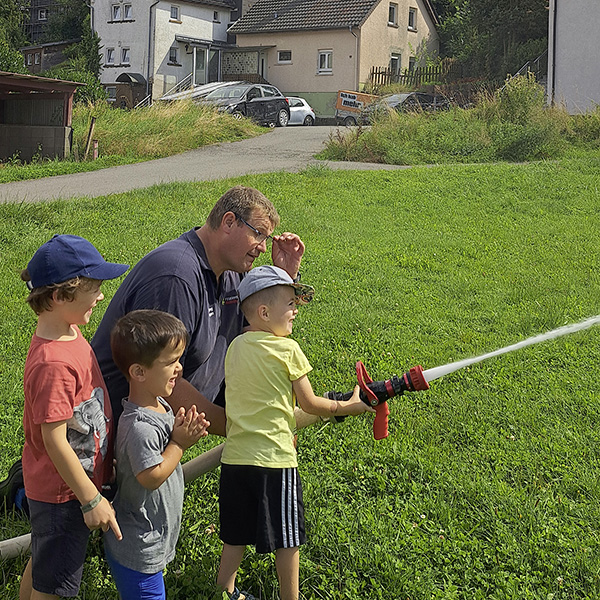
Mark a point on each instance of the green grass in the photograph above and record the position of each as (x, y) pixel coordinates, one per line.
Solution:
(487, 486)
(126, 137)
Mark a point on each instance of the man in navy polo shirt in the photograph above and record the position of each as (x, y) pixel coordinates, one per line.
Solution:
(195, 277)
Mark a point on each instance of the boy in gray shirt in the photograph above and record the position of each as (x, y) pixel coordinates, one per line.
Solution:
(147, 346)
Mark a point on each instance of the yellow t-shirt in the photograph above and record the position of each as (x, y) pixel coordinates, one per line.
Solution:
(259, 370)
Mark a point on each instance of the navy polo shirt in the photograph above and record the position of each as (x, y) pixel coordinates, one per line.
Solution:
(177, 279)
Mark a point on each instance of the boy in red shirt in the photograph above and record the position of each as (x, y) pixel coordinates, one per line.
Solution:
(67, 417)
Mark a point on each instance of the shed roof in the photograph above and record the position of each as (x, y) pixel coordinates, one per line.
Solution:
(17, 83)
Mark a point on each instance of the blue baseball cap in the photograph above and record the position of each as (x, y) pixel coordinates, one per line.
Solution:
(261, 278)
(65, 257)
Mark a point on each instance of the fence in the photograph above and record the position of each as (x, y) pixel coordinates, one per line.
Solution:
(444, 72)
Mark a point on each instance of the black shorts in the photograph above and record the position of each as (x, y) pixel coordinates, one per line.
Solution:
(261, 507)
(59, 538)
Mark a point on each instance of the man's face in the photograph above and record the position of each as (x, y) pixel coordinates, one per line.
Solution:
(246, 243)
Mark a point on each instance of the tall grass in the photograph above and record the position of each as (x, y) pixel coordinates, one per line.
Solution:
(513, 124)
(132, 136)
(487, 486)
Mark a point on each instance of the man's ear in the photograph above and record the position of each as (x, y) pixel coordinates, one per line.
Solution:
(137, 372)
(228, 221)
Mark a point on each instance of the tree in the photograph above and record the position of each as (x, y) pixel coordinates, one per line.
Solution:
(493, 38)
(13, 14)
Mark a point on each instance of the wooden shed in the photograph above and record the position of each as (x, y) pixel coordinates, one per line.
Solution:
(35, 116)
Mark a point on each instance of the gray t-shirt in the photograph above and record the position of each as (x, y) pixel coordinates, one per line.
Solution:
(149, 519)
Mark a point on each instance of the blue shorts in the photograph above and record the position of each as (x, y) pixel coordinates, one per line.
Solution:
(261, 507)
(59, 538)
(133, 585)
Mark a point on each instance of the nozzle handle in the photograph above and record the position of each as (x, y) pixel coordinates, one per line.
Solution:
(380, 424)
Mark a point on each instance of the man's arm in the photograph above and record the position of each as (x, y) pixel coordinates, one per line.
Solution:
(186, 395)
(287, 253)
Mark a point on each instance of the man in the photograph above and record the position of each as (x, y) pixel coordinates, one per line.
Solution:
(195, 277)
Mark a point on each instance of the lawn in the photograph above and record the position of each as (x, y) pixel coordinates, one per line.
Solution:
(487, 486)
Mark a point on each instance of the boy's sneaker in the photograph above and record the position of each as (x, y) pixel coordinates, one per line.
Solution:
(237, 595)
(12, 490)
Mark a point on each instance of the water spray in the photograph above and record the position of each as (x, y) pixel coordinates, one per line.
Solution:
(377, 393)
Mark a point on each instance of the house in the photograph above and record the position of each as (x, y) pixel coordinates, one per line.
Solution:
(160, 42)
(313, 48)
(42, 57)
(573, 65)
(39, 11)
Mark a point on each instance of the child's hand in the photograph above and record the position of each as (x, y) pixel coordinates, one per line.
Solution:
(355, 406)
(103, 517)
(189, 427)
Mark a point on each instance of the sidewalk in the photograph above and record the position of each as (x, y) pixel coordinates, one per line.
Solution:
(289, 149)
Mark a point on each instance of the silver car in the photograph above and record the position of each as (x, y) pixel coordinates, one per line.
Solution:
(300, 112)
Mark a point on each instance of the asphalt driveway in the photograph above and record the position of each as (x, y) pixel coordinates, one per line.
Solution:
(289, 149)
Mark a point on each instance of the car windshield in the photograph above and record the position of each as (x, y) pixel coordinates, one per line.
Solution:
(232, 91)
(395, 99)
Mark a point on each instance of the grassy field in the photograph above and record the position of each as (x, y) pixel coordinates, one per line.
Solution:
(487, 486)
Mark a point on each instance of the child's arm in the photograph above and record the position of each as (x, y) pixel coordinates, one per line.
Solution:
(187, 430)
(102, 516)
(317, 405)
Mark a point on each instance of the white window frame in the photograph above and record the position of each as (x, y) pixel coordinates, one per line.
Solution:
(29, 59)
(175, 13)
(37, 58)
(216, 17)
(412, 63)
(412, 19)
(393, 14)
(125, 56)
(110, 56)
(284, 61)
(111, 93)
(396, 57)
(42, 14)
(115, 11)
(173, 55)
(127, 12)
(325, 62)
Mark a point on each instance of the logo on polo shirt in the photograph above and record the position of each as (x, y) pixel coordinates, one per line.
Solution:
(231, 299)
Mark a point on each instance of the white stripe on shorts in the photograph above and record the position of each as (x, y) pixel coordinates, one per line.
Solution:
(289, 508)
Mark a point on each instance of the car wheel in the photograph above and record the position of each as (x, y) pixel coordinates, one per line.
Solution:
(237, 115)
(282, 118)
(349, 121)
(308, 120)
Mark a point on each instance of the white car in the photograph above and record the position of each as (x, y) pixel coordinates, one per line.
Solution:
(300, 112)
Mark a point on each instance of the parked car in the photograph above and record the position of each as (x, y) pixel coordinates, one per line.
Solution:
(301, 112)
(198, 92)
(265, 104)
(409, 101)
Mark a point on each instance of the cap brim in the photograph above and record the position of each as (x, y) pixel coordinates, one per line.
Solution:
(107, 271)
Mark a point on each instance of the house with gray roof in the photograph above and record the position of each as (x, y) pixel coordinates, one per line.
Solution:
(313, 48)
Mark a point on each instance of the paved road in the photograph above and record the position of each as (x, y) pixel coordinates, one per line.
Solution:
(289, 149)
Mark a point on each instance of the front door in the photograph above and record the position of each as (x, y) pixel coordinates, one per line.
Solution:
(213, 65)
(200, 72)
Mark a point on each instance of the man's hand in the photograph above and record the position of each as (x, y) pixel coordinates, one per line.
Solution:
(287, 252)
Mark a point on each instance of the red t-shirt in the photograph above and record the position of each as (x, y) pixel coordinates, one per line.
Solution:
(63, 382)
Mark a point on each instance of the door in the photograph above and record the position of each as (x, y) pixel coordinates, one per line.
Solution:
(200, 61)
(255, 104)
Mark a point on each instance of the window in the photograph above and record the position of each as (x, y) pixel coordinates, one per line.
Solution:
(174, 13)
(110, 56)
(411, 63)
(393, 14)
(116, 12)
(127, 12)
(37, 58)
(284, 56)
(29, 59)
(43, 14)
(125, 56)
(325, 64)
(216, 16)
(412, 19)
(270, 91)
(395, 63)
(111, 91)
(173, 55)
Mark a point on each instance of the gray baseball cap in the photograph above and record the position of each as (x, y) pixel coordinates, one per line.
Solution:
(261, 278)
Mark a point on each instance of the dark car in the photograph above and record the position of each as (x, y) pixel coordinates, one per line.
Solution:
(409, 101)
(263, 103)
